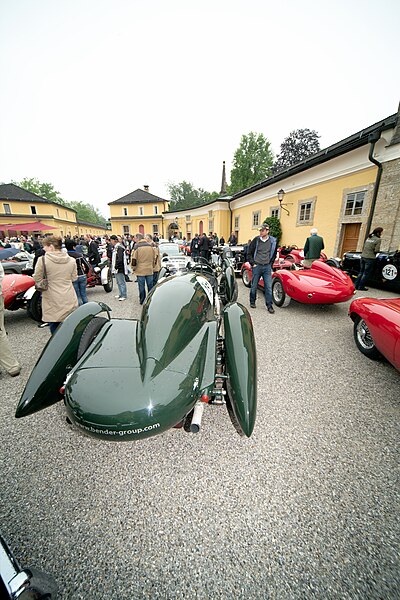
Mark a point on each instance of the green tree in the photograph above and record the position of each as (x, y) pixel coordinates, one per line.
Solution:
(252, 162)
(87, 212)
(45, 190)
(185, 195)
(299, 145)
(84, 212)
(275, 227)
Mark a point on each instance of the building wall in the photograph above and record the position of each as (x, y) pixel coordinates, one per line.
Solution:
(133, 221)
(213, 217)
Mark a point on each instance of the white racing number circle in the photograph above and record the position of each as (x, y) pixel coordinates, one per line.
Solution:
(389, 272)
(205, 284)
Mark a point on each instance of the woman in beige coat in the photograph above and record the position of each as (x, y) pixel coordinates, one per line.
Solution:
(60, 299)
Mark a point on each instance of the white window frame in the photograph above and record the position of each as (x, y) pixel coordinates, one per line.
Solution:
(274, 211)
(125, 230)
(7, 209)
(255, 219)
(302, 207)
(155, 208)
(355, 200)
(140, 211)
(236, 226)
(125, 211)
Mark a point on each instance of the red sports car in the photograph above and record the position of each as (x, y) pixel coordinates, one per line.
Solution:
(320, 284)
(377, 328)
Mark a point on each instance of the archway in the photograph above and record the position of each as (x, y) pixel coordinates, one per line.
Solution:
(141, 229)
(201, 228)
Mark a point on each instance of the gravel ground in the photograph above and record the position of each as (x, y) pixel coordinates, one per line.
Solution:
(305, 508)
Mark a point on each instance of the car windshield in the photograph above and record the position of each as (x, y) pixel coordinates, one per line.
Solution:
(170, 249)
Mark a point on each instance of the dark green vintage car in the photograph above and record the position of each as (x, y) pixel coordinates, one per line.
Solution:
(130, 379)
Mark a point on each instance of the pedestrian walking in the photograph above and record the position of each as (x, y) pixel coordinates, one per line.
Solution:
(261, 255)
(143, 262)
(7, 358)
(371, 248)
(313, 247)
(119, 266)
(83, 269)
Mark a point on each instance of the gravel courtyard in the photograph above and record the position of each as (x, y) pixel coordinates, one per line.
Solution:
(308, 507)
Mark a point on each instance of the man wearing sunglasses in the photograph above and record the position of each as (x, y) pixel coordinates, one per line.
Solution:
(261, 255)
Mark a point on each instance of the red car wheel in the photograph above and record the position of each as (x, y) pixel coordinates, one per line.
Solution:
(246, 278)
(364, 341)
(279, 296)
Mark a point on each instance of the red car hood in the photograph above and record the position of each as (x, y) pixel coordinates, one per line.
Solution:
(392, 303)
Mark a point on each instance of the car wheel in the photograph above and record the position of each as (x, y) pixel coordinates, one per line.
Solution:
(90, 332)
(108, 287)
(246, 278)
(34, 307)
(279, 296)
(332, 262)
(364, 341)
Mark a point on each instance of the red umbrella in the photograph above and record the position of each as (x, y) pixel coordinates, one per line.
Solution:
(35, 226)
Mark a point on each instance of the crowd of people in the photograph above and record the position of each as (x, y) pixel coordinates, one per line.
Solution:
(64, 264)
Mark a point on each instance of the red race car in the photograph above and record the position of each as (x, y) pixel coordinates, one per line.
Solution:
(377, 328)
(320, 284)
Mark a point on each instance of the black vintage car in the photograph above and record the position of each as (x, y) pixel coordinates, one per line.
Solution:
(386, 273)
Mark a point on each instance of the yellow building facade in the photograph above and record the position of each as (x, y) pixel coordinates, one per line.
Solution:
(19, 207)
(138, 212)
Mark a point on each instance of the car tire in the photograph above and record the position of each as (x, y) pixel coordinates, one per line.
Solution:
(279, 296)
(364, 341)
(332, 262)
(246, 278)
(89, 333)
(108, 287)
(34, 307)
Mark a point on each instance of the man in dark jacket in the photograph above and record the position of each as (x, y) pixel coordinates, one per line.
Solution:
(261, 255)
(93, 250)
(205, 247)
(313, 247)
(195, 246)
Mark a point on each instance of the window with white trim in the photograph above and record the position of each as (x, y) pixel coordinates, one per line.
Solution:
(125, 211)
(274, 212)
(140, 209)
(7, 209)
(210, 225)
(236, 226)
(188, 219)
(155, 210)
(256, 219)
(33, 210)
(155, 229)
(354, 203)
(125, 229)
(305, 214)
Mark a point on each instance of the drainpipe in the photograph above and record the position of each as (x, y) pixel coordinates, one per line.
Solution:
(372, 139)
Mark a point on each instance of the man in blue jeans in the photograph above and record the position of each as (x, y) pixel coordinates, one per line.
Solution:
(261, 255)
(119, 266)
(143, 263)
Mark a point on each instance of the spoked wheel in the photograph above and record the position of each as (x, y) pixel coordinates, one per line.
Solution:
(279, 296)
(246, 278)
(364, 341)
(108, 287)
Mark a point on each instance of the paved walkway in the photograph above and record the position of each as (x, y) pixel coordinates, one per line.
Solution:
(306, 508)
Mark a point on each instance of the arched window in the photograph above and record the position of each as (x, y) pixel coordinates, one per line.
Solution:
(141, 229)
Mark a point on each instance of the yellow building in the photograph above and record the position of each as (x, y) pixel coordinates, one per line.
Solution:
(18, 206)
(208, 218)
(138, 212)
(344, 191)
(22, 212)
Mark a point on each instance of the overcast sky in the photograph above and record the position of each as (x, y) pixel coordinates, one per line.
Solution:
(102, 97)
